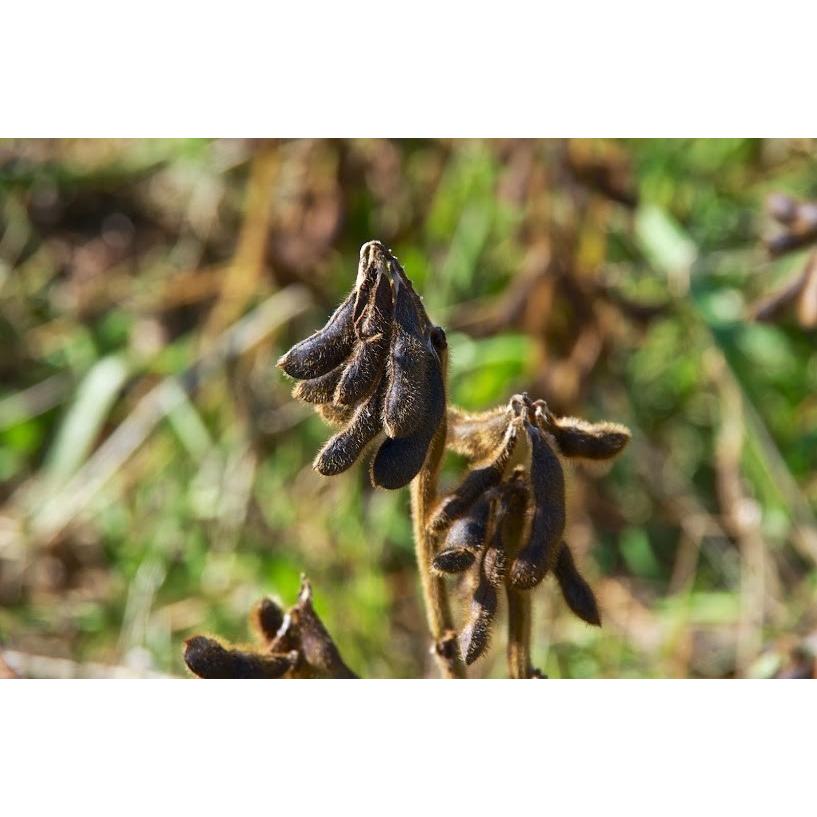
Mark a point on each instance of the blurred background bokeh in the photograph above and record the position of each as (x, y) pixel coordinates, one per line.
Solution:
(155, 474)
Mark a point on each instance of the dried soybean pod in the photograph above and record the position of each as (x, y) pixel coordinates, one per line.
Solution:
(409, 358)
(578, 438)
(466, 538)
(266, 619)
(476, 436)
(207, 658)
(399, 460)
(476, 483)
(326, 348)
(495, 560)
(338, 416)
(576, 591)
(379, 314)
(341, 451)
(477, 632)
(319, 389)
(548, 523)
(362, 372)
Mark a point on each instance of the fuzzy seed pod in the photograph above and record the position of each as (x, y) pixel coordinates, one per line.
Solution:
(208, 659)
(266, 619)
(326, 348)
(337, 416)
(319, 389)
(476, 436)
(363, 371)
(466, 538)
(399, 460)
(378, 315)
(341, 451)
(409, 357)
(477, 632)
(578, 438)
(476, 483)
(548, 523)
(576, 591)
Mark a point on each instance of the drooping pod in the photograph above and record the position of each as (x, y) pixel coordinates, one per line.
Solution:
(208, 659)
(466, 538)
(341, 451)
(399, 460)
(478, 481)
(576, 591)
(548, 522)
(266, 619)
(510, 503)
(580, 439)
(476, 634)
(326, 348)
(408, 360)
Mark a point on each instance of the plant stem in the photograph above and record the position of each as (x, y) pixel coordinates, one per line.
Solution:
(519, 628)
(435, 592)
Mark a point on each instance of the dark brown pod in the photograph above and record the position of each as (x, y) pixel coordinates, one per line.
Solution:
(399, 460)
(477, 632)
(453, 560)
(319, 389)
(363, 371)
(548, 524)
(409, 357)
(576, 591)
(326, 348)
(207, 658)
(317, 647)
(378, 316)
(590, 441)
(341, 451)
(475, 484)
(266, 619)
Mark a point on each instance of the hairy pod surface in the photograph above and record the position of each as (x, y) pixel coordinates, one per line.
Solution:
(576, 591)
(338, 416)
(477, 632)
(208, 659)
(590, 441)
(266, 619)
(399, 460)
(409, 358)
(326, 348)
(341, 451)
(363, 372)
(478, 482)
(476, 436)
(548, 524)
(319, 389)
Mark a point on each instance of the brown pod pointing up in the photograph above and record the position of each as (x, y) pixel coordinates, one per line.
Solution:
(207, 658)
(476, 483)
(548, 523)
(368, 360)
(399, 460)
(409, 357)
(326, 348)
(266, 619)
(580, 439)
(576, 591)
(476, 634)
(319, 389)
(341, 451)
(466, 538)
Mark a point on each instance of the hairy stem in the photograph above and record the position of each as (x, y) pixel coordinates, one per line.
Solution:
(435, 592)
(519, 627)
